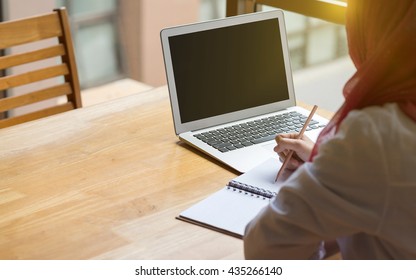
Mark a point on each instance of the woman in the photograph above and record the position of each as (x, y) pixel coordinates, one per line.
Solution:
(357, 184)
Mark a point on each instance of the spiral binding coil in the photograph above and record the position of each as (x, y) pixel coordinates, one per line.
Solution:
(251, 189)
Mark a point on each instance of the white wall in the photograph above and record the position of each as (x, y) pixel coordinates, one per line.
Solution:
(14, 9)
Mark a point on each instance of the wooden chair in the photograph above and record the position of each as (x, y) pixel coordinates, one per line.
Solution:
(29, 30)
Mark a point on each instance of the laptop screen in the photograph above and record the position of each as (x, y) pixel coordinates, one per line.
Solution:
(228, 69)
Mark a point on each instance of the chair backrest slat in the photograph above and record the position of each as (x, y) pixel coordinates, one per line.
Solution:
(33, 97)
(37, 115)
(17, 32)
(33, 76)
(23, 58)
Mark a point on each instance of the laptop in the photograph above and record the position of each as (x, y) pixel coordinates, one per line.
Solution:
(232, 77)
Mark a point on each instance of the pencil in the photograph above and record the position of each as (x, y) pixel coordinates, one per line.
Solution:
(289, 156)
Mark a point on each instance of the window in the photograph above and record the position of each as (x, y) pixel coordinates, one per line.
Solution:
(94, 28)
(307, 36)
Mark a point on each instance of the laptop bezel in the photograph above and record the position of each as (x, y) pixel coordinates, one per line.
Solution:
(165, 34)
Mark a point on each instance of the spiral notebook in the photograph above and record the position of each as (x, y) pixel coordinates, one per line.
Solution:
(230, 209)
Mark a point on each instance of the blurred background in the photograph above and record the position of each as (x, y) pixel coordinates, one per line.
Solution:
(119, 39)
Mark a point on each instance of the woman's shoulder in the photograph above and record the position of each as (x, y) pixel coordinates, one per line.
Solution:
(370, 137)
(378, 121)
(380, 137)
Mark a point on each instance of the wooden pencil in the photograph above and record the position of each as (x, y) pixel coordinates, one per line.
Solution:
(289, 156)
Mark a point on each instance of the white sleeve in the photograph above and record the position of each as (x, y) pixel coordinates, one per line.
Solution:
(336, 195)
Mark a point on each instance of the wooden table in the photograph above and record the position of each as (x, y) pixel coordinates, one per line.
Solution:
(106, 182)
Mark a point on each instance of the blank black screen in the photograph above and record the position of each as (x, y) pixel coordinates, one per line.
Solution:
(228, 69)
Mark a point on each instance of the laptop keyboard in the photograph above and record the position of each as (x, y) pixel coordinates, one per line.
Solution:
(255, 132)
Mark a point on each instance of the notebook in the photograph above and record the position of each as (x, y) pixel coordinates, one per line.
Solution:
(230, 209)
(233, 76)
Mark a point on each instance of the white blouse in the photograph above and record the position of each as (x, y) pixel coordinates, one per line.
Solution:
(360, 190)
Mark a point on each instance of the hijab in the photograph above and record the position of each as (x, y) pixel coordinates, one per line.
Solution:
(382, 45)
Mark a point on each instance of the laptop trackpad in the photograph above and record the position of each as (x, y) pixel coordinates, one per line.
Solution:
(269, 147)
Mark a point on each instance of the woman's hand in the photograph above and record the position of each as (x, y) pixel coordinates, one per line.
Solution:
(302, 149)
